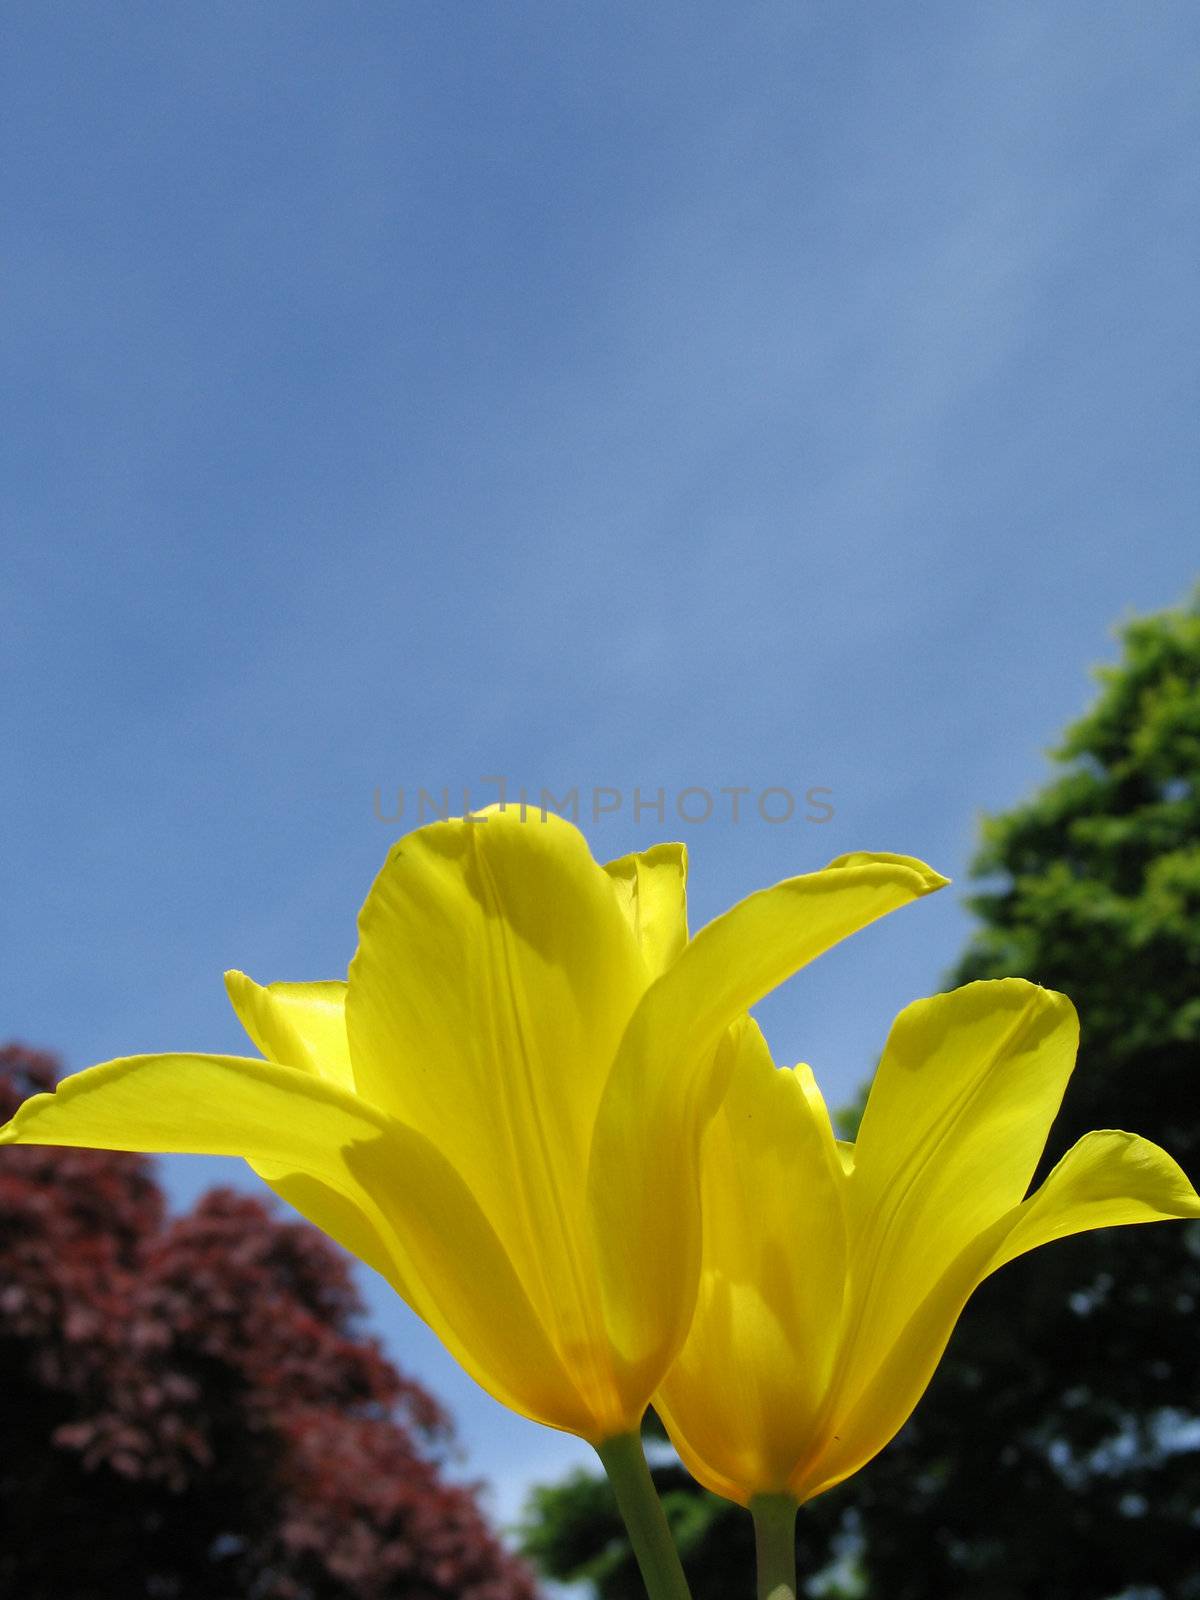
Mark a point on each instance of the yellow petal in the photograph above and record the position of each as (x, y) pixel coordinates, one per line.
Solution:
(653, 895)
(831, 1147)
(740, 1399)
(200, 1105)
(223, 1105)
(346, 1220)
(296, 1024)
(1108, 1179)
(955, 1123)
(303, 1025)
(376, 1186)
(472, 1295)
(668, 1080)
(495, 973)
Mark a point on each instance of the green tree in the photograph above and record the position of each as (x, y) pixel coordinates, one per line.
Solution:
(1057, 1452)
(572, 1532)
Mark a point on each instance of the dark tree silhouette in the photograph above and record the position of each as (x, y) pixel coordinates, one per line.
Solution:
(1057, 1453)
(188, 1407)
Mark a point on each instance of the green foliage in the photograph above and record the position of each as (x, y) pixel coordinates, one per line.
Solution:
(1051, 1456)
(573, 1533)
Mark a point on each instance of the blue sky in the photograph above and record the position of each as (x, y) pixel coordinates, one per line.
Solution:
(685, 395)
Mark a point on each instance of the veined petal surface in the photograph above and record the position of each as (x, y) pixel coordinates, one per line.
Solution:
(303, 1025)
(496, 970)
(282, 1120)
(669, 1077)
(1108, 1179)
(378, 1187)
(502, 1111)
(813, 1342)
(741, 1398)
(296, 1024)
(955, 1123)
(201, 1105)
(652, 892)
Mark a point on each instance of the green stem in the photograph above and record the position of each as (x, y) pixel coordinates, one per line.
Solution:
(775, 1544)
(639, 1505)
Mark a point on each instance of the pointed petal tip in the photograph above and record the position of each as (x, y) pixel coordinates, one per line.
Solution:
(13, 1131)
(928, 880)
(1181, 1200)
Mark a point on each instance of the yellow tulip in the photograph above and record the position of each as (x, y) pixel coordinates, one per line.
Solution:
(502, 1110)
(833, 1274)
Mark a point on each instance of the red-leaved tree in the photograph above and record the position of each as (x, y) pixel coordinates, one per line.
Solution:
(188, 1408)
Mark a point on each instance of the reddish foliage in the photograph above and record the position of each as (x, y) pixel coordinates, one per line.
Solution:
(188, 1409)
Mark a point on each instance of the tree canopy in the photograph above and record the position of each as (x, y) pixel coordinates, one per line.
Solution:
(190, 1409)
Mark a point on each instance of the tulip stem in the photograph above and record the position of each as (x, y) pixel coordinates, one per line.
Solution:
(637, 1500)
(775, 1545)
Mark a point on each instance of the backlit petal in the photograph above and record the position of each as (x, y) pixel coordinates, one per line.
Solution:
(470, 1292)
(740, 1399)
(282, 1120)
(296, 1024)
(201, 1105)
(669, 1078)
(378, 1187)
(303, 1025)
(495, 973)
(1108, 1179)
(652, 890)
(954, 1126)
(345, 1218)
